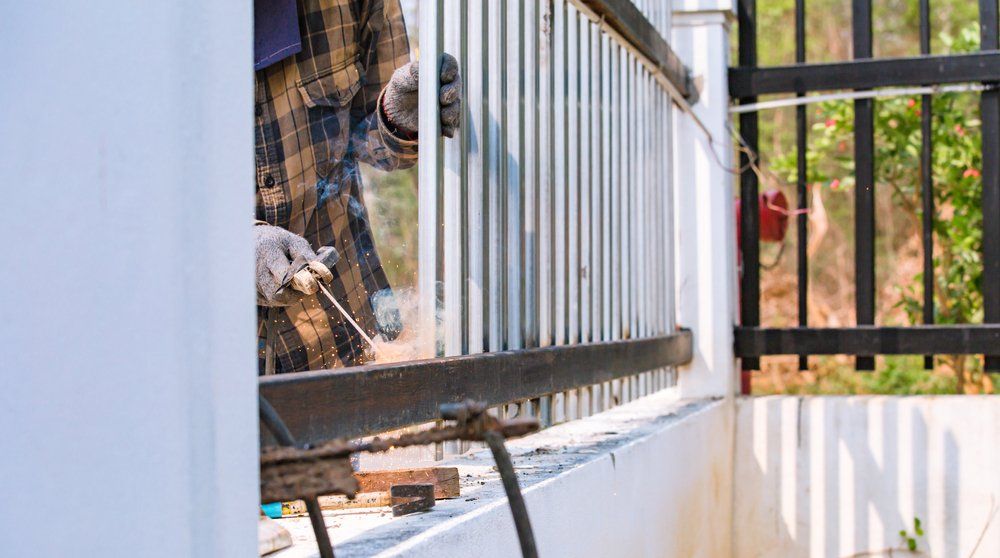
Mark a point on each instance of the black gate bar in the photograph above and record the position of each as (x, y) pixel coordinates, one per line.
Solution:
(749, 81)
(802, 178)
(927, 179)
(749, 207)
(365, 400)
(868, 341)
(867, 74)
(864, 184)
(990, 116)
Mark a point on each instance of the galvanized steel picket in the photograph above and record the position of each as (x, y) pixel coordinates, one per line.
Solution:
(554, 224)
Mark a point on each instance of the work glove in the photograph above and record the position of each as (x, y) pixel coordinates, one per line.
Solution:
(287, 267)
(399, 101)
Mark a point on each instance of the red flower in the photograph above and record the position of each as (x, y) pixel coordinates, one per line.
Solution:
(835, 184)
(831, 122)
(974, 173)
(911, 103)
(959, 130)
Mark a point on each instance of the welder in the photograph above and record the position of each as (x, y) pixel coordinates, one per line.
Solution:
(334, 88)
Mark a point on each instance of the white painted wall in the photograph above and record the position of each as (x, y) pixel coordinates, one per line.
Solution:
(834, 476)
(655, 481)
(128, 373)
(706, 235)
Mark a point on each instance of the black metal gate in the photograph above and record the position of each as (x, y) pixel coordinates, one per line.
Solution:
(866, 340)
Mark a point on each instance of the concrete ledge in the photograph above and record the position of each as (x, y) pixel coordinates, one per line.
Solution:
(650, 478)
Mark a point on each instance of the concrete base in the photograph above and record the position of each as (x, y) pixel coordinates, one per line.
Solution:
(650, 478)
(841, 476)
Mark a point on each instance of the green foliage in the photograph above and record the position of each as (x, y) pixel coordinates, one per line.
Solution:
(906, 376)
(956, 173)
(911, 540)
(896, 375)
(392, 206)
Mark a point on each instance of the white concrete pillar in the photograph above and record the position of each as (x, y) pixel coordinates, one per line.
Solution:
(706, 237)
(128, 331)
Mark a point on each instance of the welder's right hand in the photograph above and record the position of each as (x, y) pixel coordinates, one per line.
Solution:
(287, 267)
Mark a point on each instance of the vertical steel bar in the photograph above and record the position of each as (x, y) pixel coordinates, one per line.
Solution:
(607, 250)
(585, 166)
(616, 186)
(990, 116)
(545, 176)
(531, 148)
(430, 168)
(573, 173)
(802, 177)
(475, 135)
(749, 225)
(559, 182)
(642, 207)
(625, 176)
(495, 100)
(514, 158)
(545, 156)
(627, 188)
(927, 178)
(452, 217)
(596, 157)
(657, 232)
(449, 230)
(670, 252)
(607, 219)
(864, 192)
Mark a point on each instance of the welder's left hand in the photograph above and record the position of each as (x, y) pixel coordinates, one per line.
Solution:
(399, 100)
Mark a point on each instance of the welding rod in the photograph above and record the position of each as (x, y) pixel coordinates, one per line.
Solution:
(347, 316)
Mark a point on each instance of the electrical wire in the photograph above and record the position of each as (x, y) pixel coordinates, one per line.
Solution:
(869, 94)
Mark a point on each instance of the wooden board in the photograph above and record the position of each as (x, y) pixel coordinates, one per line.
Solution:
(444, 479)
(375, 485)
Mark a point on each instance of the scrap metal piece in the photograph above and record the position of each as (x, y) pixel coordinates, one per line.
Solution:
(285, 480)
(411, 498)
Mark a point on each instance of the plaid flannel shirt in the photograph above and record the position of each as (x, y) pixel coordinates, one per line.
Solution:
(318, 116)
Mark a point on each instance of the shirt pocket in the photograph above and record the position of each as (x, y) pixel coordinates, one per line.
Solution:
(334, 87)
(327, 97)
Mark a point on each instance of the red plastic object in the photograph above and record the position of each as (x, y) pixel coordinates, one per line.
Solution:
(773, 215)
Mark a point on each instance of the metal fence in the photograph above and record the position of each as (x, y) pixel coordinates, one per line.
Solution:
(546, 238)
(862, 75)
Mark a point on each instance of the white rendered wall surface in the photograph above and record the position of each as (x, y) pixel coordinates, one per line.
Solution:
(840, 476)
(128, 372)
(651, 478)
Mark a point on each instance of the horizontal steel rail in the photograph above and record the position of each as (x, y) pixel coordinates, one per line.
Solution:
(868, 340)
(865, 74)
(364, 400)
(626, 19)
